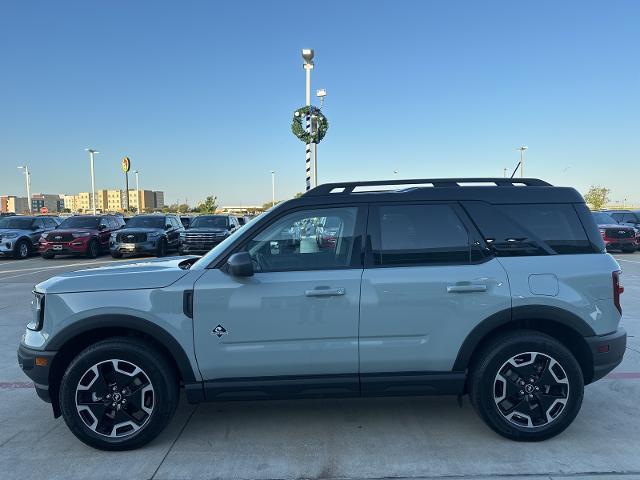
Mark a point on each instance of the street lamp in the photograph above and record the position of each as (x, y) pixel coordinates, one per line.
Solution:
(27, 178)
(321, 93)
(137, 191)
(273, 188)
(522, 149)
(92, 152)
(307, 56)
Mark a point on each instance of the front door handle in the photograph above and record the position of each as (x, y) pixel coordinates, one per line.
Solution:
(466, 288)
(325, 292)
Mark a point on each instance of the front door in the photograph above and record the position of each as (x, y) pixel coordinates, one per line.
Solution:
(292, 328)
(426, 286)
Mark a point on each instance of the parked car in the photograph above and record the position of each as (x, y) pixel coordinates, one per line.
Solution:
(501, 292)
(207, 231)
(80, 235)
(630, 218)
(19, 235)
(327, 232)
(150, 234)
(616, 236)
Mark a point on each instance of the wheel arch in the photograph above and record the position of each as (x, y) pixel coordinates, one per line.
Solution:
(69, 342)
(565, 326)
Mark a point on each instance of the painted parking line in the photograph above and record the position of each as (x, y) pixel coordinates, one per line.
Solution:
(625, 260)
(37, 270)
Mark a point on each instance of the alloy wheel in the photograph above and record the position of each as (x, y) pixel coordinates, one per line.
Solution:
(531, 389)
(23, 250)
(115, 398)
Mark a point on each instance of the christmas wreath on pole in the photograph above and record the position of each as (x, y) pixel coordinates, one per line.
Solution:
(316, 117)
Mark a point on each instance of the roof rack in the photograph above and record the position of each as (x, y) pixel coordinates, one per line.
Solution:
(349, 187)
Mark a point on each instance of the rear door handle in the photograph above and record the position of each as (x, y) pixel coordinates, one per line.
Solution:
(466, 288)
(325, 292)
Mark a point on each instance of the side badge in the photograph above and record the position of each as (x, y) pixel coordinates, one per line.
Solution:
(219, 331)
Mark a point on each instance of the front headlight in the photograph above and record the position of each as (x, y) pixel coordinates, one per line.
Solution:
(80, 234)
(9, 235)
(37, 307)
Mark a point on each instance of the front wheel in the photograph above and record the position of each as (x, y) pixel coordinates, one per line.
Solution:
(22, 249)
(93, 249)
(526, 386)
(629, 250)
(116, 254)
(48, 255)
(118, 394)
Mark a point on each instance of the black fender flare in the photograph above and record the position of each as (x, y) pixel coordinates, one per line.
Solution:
(127, 322)
(513, 315)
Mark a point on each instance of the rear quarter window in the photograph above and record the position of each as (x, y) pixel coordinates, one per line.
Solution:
(530, 229)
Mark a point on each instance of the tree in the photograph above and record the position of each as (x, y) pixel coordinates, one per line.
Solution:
(597, 196)
(298, 195)
(208, 206)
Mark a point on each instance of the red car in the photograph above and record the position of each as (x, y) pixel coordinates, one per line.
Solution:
(80, 235)
(615, 236)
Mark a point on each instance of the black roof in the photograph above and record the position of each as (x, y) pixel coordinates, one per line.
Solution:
(491, 190)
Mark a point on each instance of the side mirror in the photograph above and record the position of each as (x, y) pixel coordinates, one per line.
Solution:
(167, 227)
(35, 228)
(230, 227)
(102, 226)
(240, 265)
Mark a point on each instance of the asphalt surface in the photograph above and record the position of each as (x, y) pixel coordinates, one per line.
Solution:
(419, 437)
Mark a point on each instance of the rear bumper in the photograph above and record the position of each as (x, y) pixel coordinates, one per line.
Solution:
(607, 352)
(38, 373)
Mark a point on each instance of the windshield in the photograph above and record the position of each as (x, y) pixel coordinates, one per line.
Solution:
(146, 222)
(217, 221)
(16, 222)
(603, 218)
(80, 222)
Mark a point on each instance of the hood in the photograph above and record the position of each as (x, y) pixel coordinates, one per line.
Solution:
(614, 225)
(154, 273)
(140, 230)
(18, 231)
(207, 230)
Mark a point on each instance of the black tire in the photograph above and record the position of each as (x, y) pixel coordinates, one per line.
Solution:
(116, 254)
(629, 250)
(22, 249)
(180, 250)
(162, 248)
(486, 386)
(93, 249)
(128, 351)
(48, 255)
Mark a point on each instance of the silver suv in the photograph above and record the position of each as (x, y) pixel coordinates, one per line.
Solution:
(500, 289)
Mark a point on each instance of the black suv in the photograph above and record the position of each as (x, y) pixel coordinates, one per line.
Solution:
(154, 234)
(207, 231)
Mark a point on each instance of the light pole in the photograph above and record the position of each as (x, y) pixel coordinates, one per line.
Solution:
(273, 188)
(92, 152)
(27, 178)
(137, 191)
(522, 149)
(307, 56)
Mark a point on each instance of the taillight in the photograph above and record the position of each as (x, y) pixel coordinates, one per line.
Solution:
(617, 289)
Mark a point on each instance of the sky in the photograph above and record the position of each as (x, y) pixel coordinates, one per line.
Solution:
(200, 95)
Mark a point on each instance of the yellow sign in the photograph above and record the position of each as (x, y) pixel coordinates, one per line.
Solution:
(126, 164)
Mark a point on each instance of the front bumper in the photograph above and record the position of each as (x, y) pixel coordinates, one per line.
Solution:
(64, 248)
(607, 352)
(198, 247)
(149, 246)
(620, 243)
(37, 371)
(6, 247)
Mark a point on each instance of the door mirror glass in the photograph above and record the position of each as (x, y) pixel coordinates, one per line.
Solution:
(102, 226)
(240, 265)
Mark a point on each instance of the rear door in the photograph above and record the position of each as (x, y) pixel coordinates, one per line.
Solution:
(426, 285)
(291, 328)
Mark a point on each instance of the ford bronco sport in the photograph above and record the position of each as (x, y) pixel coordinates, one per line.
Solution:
(496, 288)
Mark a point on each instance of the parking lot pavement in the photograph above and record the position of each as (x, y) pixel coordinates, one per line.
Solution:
(419, 437)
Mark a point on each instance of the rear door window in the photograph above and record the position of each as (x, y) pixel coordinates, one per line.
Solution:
(419, 234)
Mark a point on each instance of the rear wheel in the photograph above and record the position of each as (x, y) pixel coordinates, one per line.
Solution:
(118, 394)
(93, 249)
(526, 386)
(22, 249)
